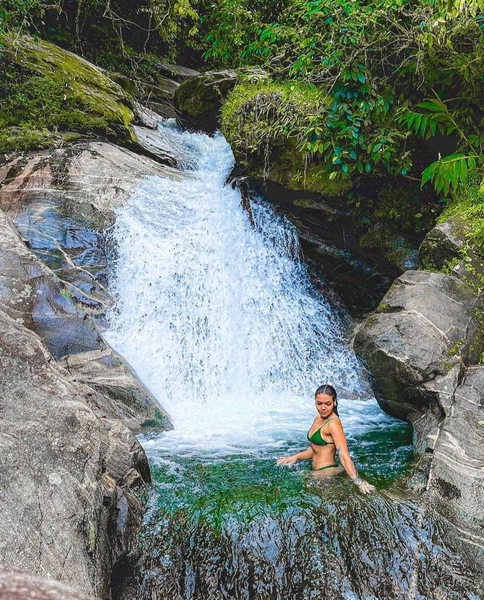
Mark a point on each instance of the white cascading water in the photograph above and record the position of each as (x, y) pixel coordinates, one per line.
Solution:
(219, 318)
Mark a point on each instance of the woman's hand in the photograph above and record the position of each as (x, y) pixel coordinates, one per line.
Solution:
(287, 460)
(365, 487)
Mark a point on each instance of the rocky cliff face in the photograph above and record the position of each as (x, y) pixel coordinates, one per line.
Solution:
(72, 466)
(68, 473)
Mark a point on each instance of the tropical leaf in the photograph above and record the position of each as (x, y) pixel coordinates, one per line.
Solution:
(449, 172)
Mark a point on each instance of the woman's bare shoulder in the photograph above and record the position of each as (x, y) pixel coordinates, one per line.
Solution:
(335, 423)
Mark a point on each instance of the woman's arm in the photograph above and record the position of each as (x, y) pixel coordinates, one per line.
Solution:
(339, 438)
(292, 460)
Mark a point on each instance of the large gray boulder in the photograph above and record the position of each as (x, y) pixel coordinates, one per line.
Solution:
(416, 345)
(60, 203)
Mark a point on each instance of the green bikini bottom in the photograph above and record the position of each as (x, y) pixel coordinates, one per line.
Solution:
(326, 467)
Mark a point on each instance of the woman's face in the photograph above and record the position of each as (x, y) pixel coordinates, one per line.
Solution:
(324, 405)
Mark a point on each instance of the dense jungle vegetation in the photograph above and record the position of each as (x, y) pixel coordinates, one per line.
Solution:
(357, 84)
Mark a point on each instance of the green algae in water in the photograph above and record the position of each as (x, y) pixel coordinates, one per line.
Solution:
(243, 528)
(250, 486)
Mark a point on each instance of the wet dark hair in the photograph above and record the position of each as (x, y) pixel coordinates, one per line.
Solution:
(330, 391)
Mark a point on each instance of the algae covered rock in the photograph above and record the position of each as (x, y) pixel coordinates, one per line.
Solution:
(259, 119)
(199, 99)
(443, 244)
(453, 247)
(395, 248)
(52, 90)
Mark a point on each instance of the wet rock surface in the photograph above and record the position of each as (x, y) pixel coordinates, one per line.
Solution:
(71, 464)
(359, 269)
(62, 494)
(63, 313)
(124, 395)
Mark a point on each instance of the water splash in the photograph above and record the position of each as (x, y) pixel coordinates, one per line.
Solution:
(219, 317)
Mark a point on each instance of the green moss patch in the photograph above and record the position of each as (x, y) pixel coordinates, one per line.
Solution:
(262, 120)
(49, 90)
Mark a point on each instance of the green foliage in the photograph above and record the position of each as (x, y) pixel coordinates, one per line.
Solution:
(261, 112)
(451, 171)
(175, 19)
(14, 139)
(17, 13)
(387, 72)
(376, 65)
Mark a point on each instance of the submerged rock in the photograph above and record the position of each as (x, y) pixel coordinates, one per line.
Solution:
(323, 541)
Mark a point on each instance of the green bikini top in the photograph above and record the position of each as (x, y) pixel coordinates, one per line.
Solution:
(317, 438)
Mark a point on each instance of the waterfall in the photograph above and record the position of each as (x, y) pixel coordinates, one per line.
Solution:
(219, 317)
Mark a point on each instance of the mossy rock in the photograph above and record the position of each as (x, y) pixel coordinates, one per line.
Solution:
(456, 244)
(444, 244)
(395, 248)
(198, 100)
(48, 88)
(258, 120)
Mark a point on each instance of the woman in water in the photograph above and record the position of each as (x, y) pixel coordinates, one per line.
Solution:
(326, 436)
